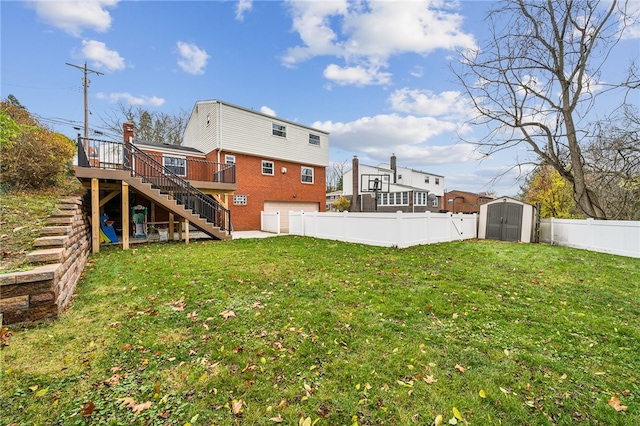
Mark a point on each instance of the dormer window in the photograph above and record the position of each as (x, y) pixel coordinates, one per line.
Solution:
(314, 139)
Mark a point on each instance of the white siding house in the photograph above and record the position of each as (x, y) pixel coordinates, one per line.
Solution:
(216, 125)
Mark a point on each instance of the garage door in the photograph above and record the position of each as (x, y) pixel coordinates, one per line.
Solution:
(285, 207)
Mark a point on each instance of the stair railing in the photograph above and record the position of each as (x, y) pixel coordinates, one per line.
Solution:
(144, 166)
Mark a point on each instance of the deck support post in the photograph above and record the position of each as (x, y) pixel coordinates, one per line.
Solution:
(125, 216)
(172, 227)
(95, 215)
(186, 231)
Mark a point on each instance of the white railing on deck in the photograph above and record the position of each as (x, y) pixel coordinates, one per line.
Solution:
(385, 229)
(619, 237)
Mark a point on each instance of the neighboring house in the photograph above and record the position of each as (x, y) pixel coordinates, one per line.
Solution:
(280, 165)
(400, 188)
(465, 202)
(330, 198)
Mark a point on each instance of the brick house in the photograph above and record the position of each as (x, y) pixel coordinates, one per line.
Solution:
(464, 202)
(279, 164)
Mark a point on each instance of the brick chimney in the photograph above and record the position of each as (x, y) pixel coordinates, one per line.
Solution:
(393, 166)
(127, 131)
(355, 175)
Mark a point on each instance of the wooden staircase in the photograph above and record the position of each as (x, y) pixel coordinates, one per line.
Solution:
(168, 202)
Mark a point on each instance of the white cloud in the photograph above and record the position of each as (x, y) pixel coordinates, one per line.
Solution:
(131, 100)
(380, 135)
(192, 59)
(631, 24)
(267, 110)
(100, 56)
(366, 34)
(242, 7)
(357, 75)
(425, 102)
(75, 16)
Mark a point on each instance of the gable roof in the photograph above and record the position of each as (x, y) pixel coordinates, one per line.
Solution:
(178, 149)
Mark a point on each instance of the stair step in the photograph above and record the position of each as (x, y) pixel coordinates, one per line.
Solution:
(56, 230)
(60, 220)
(54, 240)
(46, 255)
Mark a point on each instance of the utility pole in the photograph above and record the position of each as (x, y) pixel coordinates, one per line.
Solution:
(85, 84)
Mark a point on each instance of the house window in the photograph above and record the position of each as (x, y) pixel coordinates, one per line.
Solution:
(279, 130)
(426, 179)
(435, 202)
(314, 139)
(437, 181)
(399, 177)
(267, 167)
(240, 200)
(420, 198)
(307, 174)
(393, 199)
(229, 159)
(177, 165)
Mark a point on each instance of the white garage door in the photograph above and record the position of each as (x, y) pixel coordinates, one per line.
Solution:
(285, 207)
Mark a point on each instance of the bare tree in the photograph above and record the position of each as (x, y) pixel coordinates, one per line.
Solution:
(537, 78)
(335, 173)
(612, 159)
(151, 126)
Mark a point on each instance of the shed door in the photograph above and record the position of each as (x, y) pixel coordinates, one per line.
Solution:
(504, 221)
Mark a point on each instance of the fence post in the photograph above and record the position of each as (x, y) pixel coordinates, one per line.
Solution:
(590, 232)
(344, 226)
(551, 230)
(426, 237)
(399, 219)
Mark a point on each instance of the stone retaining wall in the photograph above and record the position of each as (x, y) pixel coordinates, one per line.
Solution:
(46, 290)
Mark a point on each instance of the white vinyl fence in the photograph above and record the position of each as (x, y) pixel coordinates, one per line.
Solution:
(619, 237)
(385, 229)
(270, 222)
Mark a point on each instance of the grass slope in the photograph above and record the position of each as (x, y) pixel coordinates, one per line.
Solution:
(295, 330)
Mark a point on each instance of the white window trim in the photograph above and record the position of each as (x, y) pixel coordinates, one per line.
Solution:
(178, 157)
(229, 159)
(273, 168)
(281, 129)
(302, 175)
(385, 198)
(314, 136)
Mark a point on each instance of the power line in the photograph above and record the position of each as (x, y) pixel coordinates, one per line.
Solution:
(85, 84)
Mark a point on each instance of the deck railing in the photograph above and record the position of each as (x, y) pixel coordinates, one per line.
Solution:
(128, 157)
(109, 155)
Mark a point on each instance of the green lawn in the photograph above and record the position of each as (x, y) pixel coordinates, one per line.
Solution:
(293, 330)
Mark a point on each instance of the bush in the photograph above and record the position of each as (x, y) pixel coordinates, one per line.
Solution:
(34, 157)
(342, 203)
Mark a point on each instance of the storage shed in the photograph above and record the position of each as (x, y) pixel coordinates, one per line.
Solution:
(507, 219)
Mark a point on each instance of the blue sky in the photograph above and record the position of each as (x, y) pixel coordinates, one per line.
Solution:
(373, 74)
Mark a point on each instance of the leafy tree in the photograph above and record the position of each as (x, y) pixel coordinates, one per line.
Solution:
(150, 126)
(536, 79)
(34, 156)
(548, 189)
(9, 129)
(342, 204)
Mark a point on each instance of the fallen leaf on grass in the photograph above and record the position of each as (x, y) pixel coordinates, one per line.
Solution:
(460, 368)
(457, 414)
(138, 408)
(87, 409)
(482, 393)
(236, 407)
(278, 419)
(227, 314)
(438, 421)
(430, 379)
(615, 403)
(130, 403)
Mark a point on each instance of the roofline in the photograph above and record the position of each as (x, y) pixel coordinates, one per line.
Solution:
(271, 117)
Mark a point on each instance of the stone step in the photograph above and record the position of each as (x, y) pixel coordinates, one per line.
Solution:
(63, 213)
(46, 255)
(65, 220)
(51, 241)
(56, 230)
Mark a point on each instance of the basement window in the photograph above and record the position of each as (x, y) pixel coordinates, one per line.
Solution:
(239, 200)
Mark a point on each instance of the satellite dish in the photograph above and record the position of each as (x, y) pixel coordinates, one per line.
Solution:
(431, 197)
